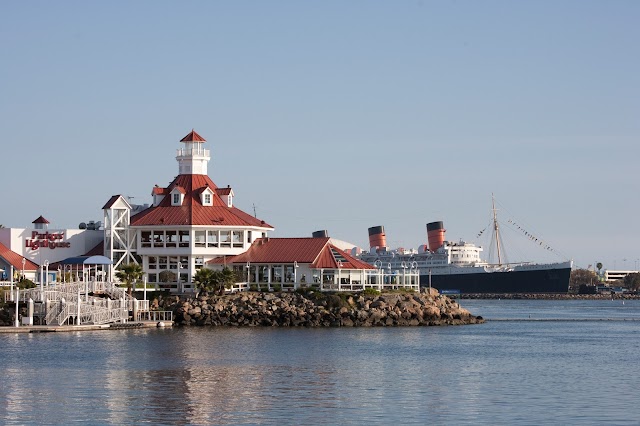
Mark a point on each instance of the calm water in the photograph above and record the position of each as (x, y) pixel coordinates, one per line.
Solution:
(501, 372)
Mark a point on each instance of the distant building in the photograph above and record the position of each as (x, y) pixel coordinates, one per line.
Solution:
(616, 275)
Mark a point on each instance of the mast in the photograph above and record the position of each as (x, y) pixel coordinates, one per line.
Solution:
(495, 227)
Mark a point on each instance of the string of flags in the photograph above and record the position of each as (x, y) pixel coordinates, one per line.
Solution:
(480, 233)
(531, 236)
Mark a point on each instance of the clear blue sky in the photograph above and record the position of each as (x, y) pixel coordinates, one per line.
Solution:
(336, 115)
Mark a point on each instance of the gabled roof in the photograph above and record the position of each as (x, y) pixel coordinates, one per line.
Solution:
(317, 252)
(193, 137)
(113, 200)
(192, 212)
(179, 189)
(224, 191)
(158, 190)
(15, 259)
(41, 220)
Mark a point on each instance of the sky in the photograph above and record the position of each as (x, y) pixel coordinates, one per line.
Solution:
(336, 115)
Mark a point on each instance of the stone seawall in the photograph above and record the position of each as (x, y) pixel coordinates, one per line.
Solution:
(317, 310)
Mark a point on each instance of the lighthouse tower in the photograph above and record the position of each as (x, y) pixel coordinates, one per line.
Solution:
(193, 158)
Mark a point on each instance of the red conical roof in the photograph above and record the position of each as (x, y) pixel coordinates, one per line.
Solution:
(40, 220)
(193, 137)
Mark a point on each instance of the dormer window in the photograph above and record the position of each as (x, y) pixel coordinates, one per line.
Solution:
(206, 197)
(229, 201)
(177, 196)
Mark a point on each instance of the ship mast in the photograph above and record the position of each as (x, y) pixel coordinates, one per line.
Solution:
(495, 227)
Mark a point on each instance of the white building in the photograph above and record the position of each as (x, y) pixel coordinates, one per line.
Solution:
(33, 249)
(190, 222)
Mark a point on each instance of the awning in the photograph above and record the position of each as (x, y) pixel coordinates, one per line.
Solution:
(87, 260)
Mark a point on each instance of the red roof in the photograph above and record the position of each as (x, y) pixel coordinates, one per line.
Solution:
(41, 220)
(158, 190)
(15, 259)
(180, 189)
(192, 212)
(317, 252)
(223, 191)
(193, 137)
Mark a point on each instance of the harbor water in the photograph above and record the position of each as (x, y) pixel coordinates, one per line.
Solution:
(532, 362)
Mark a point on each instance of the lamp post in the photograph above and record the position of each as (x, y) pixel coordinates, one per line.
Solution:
(11, 278)
(179, 285)
(23, 263)
(248, 269)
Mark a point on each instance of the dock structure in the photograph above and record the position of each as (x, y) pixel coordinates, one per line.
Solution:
(83, 305)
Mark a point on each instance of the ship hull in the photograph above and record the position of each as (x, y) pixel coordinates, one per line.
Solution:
(555, 280)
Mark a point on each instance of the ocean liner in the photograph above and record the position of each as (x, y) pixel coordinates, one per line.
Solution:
(457, 267)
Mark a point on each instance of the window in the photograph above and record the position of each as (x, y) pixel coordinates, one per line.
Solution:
(212, 238)
(199, 238)
(176, 199)
(207, 199)
(225, 239)
(145, 238)
(153, 262)
(237, 238)
(172, 238)
(158, 239)
(276, 274)
(183, 239)
(248, 237)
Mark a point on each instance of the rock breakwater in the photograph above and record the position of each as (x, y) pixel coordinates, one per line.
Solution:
(316, 309)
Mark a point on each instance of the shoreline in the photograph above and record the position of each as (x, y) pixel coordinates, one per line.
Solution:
(545, 296)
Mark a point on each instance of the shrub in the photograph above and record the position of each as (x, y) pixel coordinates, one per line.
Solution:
(371, 292)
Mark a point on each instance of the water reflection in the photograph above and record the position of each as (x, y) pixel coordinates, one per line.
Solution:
(503, 372)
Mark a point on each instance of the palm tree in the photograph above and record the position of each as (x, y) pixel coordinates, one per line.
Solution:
(129, 274)
(209, 280)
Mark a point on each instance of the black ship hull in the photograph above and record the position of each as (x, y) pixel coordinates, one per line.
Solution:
(528, 281)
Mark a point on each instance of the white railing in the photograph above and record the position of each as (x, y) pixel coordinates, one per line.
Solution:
(155, 316)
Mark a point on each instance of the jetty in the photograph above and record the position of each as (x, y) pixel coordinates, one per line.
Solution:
(80, 305)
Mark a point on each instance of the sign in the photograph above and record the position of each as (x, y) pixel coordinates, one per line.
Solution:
(51, 240)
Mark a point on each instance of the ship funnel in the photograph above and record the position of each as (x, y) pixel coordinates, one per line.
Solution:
(377, 237)
(320, 234)
(435, 235)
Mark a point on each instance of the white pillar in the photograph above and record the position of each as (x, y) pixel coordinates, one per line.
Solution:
(11, 292)
(17, 322)
(78, 307)
(30, 312)
(135, 309)
(144, 292)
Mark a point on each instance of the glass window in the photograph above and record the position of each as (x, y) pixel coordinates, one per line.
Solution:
(172, 238)
(153, 278)
(225, 239)
(199, 238)
(145, 238)
(276, 274)
(288, 274)
(207, 199)
(176, 198)
(237, 238)
(162, 262)
(158, 238)
(212, 238)
(183, 239)
(263, 274)
(153, 262)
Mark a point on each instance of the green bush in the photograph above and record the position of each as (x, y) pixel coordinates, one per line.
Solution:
(276, 287)
(371, 292)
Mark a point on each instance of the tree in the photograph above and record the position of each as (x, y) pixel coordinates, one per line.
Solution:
(582, 277)
(632, 281)
(208, 280)
(129, 274)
